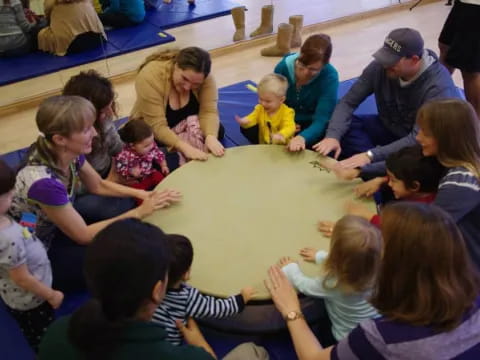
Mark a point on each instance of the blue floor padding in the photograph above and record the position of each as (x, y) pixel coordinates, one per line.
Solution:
(120, 41)
(179, 12)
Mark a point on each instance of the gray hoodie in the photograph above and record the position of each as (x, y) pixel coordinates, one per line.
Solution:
(397, 102)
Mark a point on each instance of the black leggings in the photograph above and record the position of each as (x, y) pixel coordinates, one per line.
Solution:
(116, 20)
(86, 41)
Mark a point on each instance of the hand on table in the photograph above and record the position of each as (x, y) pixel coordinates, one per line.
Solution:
(326, 227)
(354, 208)
(308, 254)
(355, 161)
(283, 294)
(284, 261)
(214, 146)
(327, 145)
(296, 144)
(345, 174)
(158, 200)
(370, 187)
(248, 293)
(193, 153)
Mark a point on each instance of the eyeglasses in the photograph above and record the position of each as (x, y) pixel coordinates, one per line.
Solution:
(307, 68)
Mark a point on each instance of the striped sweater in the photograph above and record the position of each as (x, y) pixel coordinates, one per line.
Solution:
(459, 195)
(188, 302)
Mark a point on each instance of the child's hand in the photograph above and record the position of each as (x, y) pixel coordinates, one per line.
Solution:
(164, 168)
(308, 254)
(345, 174)
(326, 227)
(56, 299)
(136, 172)
(354, 208)
(278, 139)
(284, 261)
(370, 187)
(240, 120)
(248, 293)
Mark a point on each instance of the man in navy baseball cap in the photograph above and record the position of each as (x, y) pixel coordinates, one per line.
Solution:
(398, 44)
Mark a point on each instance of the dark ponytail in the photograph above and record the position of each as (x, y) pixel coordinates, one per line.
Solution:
(122, 266)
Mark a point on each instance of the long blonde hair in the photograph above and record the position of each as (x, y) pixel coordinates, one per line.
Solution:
(58, 115)
(454, 124)
(354, 256)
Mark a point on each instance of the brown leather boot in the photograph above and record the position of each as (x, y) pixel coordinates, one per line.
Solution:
(266, 25)
(284, 38)
(238, 14)
(297, 22)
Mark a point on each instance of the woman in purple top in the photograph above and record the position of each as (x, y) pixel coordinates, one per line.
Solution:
(46, 187)
(427, 292)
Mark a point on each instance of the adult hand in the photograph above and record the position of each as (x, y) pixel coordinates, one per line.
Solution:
(296, 144)
(345, 174)
(355, 161)
(248, 293)
(326, 227)
(164, 168)
(56, 299)
(327, 145)
(214, 146)
(354, 208)
(283, 294)
(158, 200)
(193, 153)
(369, 188)
(308, 254)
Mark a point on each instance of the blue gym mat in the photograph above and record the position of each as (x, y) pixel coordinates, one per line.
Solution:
(180, 12)
(119, 41)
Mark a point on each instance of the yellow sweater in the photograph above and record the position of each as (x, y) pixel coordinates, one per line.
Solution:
(153, 84)
(282, 122)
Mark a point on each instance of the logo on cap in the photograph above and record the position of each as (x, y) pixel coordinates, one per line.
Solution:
(393, 44)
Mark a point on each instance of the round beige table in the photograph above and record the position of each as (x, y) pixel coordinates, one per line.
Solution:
(244, 211)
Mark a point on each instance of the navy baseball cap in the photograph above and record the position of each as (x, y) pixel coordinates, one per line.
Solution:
(404, 42)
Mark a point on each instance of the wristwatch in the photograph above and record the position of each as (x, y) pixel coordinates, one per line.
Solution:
(293, 315)
(369, 154)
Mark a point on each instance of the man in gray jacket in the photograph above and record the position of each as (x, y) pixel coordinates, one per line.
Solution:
(402, 77)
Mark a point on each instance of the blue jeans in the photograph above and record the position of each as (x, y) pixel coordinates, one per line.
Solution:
(94, 208)
(365, 132)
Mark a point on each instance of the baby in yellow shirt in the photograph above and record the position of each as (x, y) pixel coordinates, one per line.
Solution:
(271, 122)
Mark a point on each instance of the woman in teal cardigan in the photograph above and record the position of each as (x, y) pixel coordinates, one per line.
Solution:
(312, 91)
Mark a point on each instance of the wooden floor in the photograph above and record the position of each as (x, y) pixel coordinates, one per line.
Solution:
(354, 42)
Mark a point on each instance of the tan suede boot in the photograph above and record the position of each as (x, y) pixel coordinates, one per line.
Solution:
(238, 14)
(284, 38)
(266, 26)
(297, 22)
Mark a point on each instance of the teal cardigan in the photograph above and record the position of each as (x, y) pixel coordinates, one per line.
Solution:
(314, 102)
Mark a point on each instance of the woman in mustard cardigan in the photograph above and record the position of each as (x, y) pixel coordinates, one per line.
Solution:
(177, 96)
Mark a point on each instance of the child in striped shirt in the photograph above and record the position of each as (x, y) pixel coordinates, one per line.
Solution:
(183, 301)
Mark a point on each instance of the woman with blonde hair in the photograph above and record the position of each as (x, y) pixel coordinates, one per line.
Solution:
(177, 96)
(74, 27)
(47, 184)
(450, 130)
(427, 293)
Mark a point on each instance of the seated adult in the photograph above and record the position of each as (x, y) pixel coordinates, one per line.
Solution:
(47, 184)
(74, 26)
(126, 268)
(312, 90)
(122, 13)
(403, 76)
(99, 91)
(427, 292)
(177, 96)
(17, 35)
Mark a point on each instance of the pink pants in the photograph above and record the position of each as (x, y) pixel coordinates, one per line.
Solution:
(189, 131)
